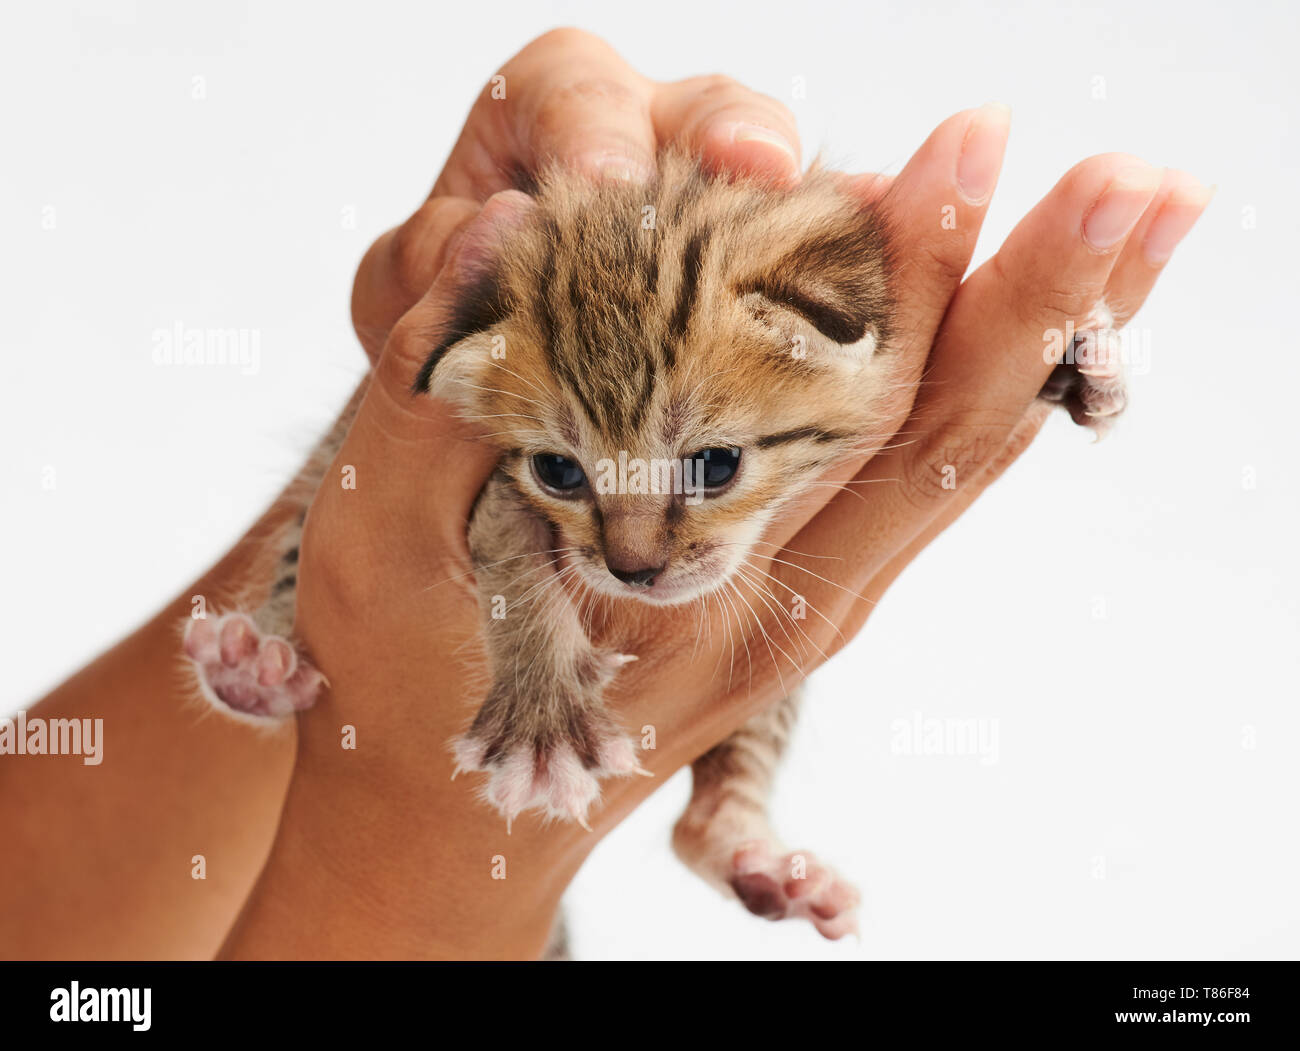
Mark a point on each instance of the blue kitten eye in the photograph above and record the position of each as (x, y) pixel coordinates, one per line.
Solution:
(558, 472)
(719, 466)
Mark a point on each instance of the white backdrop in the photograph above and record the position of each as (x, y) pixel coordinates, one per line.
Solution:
(1122, 616)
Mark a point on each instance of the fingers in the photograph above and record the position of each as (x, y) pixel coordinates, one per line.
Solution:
(403, 439)
(1168, 219)
(729, 126)
(987, 367)
(398, 269)
(473, 247)
(936, 208)
(989, 361)
(566, 97)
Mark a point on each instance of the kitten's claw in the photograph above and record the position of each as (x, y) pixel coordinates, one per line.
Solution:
(553, 779)
(1091, 384)
(240, 668)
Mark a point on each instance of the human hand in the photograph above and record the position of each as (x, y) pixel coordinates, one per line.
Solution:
(384, 575)
(569, 98)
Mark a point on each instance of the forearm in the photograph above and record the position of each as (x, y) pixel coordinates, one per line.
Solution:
(99, 858)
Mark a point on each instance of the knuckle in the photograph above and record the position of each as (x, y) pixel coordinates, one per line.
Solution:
(1044, 303)
(944, 264)
(720, 96)
(557, 108)
(955, 454)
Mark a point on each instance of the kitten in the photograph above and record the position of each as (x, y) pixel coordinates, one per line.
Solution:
(666, 366)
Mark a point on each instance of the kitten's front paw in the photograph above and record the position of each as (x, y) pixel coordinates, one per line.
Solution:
(555, 778)
(255, 674)
(1091, 384)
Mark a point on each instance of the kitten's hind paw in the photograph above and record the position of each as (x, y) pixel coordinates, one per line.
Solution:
(555, 779)
(797, 885)
(1090, 384)
(732, 850)
(239, 667)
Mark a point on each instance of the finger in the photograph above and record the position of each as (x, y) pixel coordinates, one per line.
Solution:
(936, 207)
(1167, 220)
(988, 364)
(469, 257)
(567, 97)
(729, 126)
(398, 269)
(403, 438)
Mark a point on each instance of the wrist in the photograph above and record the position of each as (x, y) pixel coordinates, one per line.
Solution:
(377, 859)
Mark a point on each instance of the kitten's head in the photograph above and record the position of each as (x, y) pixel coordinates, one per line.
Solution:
(665, 366)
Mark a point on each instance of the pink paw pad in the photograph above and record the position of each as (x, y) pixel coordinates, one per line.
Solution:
(247, 671)
(795, 885)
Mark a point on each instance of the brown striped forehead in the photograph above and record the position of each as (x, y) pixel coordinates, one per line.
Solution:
(614, 304)
(631, 318)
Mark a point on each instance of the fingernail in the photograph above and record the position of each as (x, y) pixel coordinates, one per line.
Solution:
(765, 136)
(617, 166)
(1120, 206)
(1176, 218)
(624, 171)
(981, 152)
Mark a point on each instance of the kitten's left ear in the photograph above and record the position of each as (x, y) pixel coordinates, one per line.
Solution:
(836, 279)
(479, 302)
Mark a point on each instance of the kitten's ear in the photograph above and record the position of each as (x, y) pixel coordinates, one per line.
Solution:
(479, 299)
(836, 279)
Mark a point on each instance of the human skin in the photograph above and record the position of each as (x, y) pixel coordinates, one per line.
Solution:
(377, 852)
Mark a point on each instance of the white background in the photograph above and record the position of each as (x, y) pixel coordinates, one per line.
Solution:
(1125, 612)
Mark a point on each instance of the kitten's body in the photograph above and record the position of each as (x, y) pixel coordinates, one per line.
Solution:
(671, 324)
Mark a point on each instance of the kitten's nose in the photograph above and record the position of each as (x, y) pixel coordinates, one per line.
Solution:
(638, 578)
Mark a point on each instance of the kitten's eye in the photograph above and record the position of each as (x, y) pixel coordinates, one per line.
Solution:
(558, 472)
(719, 466)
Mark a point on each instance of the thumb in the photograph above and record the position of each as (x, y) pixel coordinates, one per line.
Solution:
(411, 437)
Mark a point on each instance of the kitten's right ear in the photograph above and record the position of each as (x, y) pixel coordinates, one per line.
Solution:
(478, 296)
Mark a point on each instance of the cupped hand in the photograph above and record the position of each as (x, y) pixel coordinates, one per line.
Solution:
(385, 592)
(567, 98)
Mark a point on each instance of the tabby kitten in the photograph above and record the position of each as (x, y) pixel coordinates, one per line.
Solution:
(666, 367)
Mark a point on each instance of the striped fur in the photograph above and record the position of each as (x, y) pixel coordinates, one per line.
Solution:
(652, 322)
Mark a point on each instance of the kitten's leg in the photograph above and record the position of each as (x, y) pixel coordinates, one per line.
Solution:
(1090, 385)
(725, 836)
(247, 664)
(543, 735)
